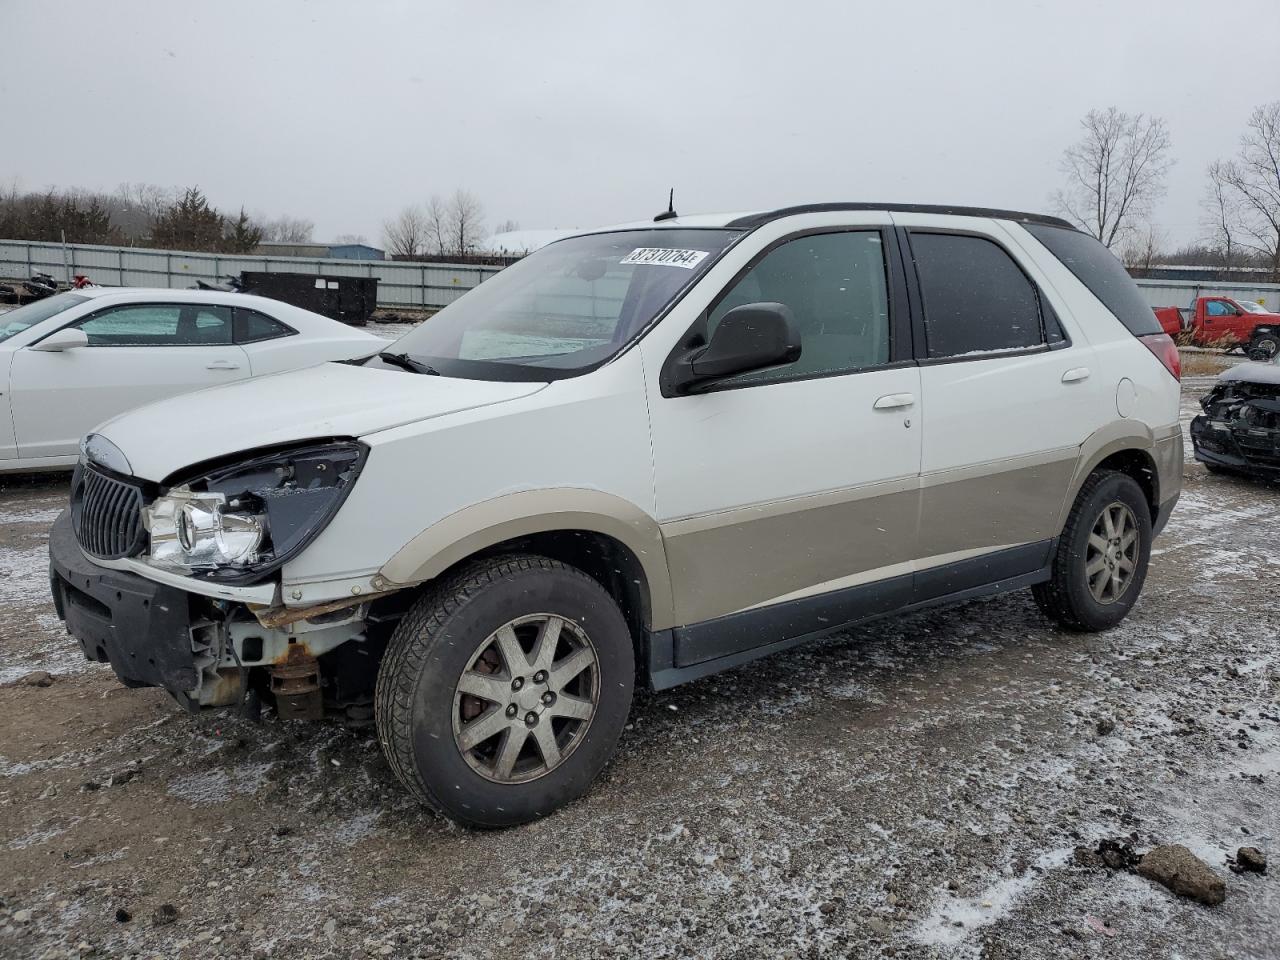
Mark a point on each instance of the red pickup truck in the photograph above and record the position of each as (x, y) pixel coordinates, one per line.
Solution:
(1224, 322)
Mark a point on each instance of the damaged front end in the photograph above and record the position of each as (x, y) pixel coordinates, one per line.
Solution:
(1240, 427)
(209, 652)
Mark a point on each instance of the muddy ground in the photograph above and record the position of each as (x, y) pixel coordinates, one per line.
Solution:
(914, 788)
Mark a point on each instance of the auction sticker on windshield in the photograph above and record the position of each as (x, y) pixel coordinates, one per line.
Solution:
(665, 256)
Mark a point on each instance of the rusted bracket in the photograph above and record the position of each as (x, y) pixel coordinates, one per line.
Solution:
(282, 616)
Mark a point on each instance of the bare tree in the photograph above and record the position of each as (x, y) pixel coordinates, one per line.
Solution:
(146, 196)
(406, 234)
(1143, 248)
(1221, 217)
(507, 226)
(135, 207)
(1114, 173)
(349, 238)
(287, 230)
(466, 222)
(1252, 180)
(437, 225)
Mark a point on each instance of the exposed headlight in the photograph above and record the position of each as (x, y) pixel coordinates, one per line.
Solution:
(202, 531)
(239, 522)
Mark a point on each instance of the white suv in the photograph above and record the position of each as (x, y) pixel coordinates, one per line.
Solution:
(641, 455)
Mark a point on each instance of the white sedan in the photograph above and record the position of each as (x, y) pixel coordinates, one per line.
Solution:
(71, 361)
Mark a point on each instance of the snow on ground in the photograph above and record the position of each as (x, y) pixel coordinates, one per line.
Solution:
(857, 797)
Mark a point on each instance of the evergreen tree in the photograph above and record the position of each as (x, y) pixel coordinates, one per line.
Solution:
(242, 236)
(189, 223)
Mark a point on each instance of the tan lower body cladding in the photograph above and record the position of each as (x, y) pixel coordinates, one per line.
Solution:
(753, 556)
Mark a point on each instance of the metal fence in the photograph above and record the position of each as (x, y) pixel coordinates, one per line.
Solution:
(1180, 293)
(399, 284)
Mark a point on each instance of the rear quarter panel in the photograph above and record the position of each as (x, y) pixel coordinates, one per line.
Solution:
(1119, 354)
(292, 353)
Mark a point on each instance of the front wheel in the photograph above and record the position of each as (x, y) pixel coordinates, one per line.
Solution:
(1102, 556)
(1264, 347)
(504, 690)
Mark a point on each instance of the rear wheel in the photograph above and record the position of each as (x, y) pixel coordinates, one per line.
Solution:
(504, 690)
(1102, 556)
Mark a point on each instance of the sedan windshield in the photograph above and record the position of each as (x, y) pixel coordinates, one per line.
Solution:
(565, 309)
(1250, 307)
(15, 321)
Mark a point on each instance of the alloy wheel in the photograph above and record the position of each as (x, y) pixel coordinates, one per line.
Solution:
(1112, 555)
(526, 698)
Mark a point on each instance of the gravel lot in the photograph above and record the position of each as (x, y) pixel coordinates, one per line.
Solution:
(914, 788)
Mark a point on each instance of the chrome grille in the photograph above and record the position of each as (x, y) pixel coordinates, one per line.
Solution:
(107, 515)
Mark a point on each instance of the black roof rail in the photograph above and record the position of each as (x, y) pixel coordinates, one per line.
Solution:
(754, 220)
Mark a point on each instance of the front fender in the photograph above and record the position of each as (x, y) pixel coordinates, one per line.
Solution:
(482, 525)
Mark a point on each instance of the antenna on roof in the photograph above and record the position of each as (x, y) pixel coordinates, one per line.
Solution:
(670, 212)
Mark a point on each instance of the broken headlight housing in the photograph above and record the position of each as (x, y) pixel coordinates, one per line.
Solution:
(237, 522)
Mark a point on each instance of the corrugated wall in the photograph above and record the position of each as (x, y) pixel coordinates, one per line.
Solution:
(399, 284)
(1180, 293)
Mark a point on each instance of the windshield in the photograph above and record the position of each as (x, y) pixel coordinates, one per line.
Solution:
(1248, 306)
(15, 321)
(566, 308)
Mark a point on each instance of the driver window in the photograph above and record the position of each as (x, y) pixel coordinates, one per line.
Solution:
(159, 325)
(834, 284)
(1218, 308)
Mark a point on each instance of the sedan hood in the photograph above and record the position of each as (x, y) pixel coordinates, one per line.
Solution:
(330, 400)
(1252, 372)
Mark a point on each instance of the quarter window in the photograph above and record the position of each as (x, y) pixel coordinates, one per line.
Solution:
(834, 284)
(254, 327)
(159, 325)
(1097, 268)
(976, 299)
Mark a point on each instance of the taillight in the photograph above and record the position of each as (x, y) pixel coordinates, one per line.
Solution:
(1165, 350)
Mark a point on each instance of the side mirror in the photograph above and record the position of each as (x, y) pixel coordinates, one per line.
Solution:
(750, 337)
(68, 338)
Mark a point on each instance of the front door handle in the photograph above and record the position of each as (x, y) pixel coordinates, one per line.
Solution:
(894, 401)
(222, 365)
(1075, 375)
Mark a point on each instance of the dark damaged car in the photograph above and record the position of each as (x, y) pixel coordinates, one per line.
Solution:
(1239, 431)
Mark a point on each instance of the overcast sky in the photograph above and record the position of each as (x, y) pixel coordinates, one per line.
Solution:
(576, 114)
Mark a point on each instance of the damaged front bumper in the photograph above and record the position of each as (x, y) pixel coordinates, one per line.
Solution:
(1240, 428)
(205, 651)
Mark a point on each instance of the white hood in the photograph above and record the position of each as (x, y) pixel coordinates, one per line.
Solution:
(330, 400)
(1252, 372)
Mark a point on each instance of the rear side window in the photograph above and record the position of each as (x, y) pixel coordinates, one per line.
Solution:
(1097, 268)
(253, 327)
(976, 299)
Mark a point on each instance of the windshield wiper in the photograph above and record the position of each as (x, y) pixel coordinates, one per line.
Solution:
(406, 362)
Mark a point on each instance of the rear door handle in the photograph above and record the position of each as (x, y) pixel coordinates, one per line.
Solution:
(222, 365)
(1075, 375)
(892, 401)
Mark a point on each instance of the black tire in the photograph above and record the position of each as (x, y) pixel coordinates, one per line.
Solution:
(1264, 347)
(1066, 597)
(436, 642)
